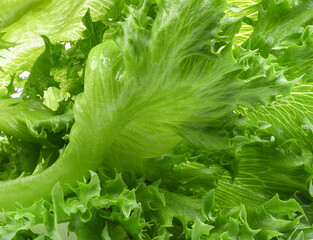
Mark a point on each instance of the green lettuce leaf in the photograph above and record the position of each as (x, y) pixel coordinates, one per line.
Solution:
(144, 89)
(156, 120)
(28, 21)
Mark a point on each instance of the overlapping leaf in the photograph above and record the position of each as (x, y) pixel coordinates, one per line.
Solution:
(23, 23)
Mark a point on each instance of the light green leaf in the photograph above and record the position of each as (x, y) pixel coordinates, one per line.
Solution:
(200, 229)
(290, 117)
(28, 21)
(280, 23)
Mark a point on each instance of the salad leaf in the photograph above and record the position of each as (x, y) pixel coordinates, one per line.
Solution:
(28, 21)
(156, 120)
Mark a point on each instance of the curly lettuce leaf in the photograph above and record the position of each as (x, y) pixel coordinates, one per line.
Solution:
(166, 78)
(164, 88)
(108, 208)
(28, 21)
(247, 12)
(279, 24)
(143, 90)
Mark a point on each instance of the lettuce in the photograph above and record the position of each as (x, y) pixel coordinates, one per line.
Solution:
(180, 119)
